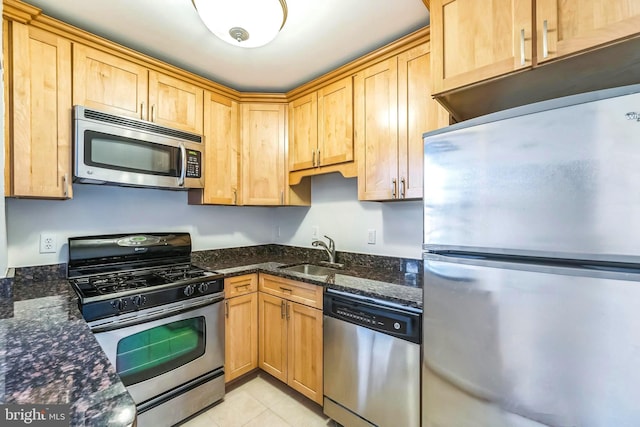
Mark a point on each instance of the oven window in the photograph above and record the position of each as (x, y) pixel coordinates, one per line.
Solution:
(155, 351)
(125, 154)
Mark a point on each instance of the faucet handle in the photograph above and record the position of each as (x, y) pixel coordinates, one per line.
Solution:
(332, 244)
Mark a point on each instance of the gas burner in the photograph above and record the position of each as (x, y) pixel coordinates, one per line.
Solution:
(112, 278)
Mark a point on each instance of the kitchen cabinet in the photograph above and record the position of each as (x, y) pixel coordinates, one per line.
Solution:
(263, 143)
(38, 128)
(222, 152)
(489, 57)
(393, 109)
(290, 333)
(241, 325)
(321, 127)
(473, 41)
(263, 161)
(570, 26)
(119, 86)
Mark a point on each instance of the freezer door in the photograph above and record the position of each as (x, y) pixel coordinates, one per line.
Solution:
(560, 183)
(514, 345)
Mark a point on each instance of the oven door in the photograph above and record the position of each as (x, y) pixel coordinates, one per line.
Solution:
(155, 356)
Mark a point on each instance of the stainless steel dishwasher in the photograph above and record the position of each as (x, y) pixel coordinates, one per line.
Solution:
(371, 361)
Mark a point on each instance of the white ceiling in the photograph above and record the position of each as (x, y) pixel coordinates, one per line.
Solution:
(318, 36)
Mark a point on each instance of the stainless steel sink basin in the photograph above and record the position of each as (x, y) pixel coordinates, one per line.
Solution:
(311, 269)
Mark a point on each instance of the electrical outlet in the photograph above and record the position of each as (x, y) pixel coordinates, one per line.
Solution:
(371, 236)
(315, 232)
(48, 244)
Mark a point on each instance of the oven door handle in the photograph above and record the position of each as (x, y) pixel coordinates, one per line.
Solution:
(183, 162)
(160, 314)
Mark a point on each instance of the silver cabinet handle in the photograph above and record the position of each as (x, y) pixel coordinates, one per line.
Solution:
(235, 197)
(403, 185)
(318, 157)
(288, 306)
(153, 111)
(282, 197)
(142, 111)
(522, 58)
(545, 39)
(394, 188)
(226, 308)
(313, 158)
(282, 309)
(183, 172)
(65, 185)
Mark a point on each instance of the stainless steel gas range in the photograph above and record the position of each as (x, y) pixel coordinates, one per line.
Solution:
(158, 318)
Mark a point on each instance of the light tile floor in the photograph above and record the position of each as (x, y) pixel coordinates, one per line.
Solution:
(261, 401)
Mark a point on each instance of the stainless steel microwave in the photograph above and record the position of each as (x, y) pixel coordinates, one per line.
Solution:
(119, 150)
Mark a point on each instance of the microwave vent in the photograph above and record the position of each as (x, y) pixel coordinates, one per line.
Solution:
(140, 125)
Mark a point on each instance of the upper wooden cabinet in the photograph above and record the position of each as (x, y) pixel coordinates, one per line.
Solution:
(109, 83)
(321, 127)
(569, 26)
(493, 55)
(475, 40)
(222, 153)
(263, 144)
(39, 127)
(393, 109)
(263, 161)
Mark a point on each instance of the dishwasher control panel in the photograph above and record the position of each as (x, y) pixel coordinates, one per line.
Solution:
(389, 320)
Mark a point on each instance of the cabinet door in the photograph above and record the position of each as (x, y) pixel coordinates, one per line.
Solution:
(41, 113)
(376, 118)
(175, 103)
(335, 123)
(222, 153)
(575, 25)
(272, 340)
(108, 83)
(475, 40)
(263, 142)
(303, 132)
(418, 112)
(241, 336)
(305, 350)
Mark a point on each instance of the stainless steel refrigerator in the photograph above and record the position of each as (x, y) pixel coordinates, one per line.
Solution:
(532, 266)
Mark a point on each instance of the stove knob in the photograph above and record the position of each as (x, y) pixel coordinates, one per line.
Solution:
(203, 287)
(119, 304)
(139, 300)
(189, 290)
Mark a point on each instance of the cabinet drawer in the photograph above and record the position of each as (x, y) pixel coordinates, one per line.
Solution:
(304, 293)
(240, 285)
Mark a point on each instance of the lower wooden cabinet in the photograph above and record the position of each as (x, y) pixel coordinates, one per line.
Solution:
(290, 337)
(241, 326)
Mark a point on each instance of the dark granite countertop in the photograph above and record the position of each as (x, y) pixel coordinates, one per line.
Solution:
(389, 279)
(49, 356)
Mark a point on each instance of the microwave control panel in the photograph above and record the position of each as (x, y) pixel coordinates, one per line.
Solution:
(194, 160)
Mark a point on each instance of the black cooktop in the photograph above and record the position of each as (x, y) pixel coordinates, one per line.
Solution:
(121, 273)
(118, 282)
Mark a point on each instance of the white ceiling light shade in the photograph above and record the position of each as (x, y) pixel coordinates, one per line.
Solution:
(244, 23)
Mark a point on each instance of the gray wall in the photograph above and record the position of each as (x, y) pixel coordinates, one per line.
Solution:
(102, 210)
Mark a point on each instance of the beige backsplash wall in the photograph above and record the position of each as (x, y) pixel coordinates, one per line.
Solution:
(104, 210)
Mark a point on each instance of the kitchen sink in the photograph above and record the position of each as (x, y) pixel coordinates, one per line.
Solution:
(311, 269)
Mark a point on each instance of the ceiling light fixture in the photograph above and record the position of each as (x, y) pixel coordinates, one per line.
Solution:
(244, 23)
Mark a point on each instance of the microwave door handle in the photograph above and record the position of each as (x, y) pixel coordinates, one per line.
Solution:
(183, 171)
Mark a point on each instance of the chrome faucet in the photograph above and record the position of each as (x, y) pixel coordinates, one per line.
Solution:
(331, 249)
